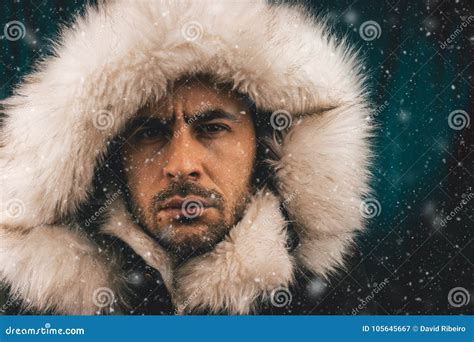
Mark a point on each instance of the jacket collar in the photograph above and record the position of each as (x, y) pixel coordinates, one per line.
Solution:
(242, 269)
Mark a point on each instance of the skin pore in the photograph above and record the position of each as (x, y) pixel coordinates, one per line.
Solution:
(188, 163)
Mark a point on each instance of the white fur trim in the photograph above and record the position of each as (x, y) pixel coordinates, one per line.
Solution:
(120, 55)
(242, 269)
(117, 57)
(56, 269)
(121, 226)
(323, 169)
(245, 267)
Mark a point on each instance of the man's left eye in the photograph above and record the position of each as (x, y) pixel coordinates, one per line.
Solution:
(212, 128)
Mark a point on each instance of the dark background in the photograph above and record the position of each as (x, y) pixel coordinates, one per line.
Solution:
(423, 168)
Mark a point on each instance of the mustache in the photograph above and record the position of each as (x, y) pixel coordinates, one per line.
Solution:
(183, 189)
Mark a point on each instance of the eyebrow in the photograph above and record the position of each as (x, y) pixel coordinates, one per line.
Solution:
(210, 115)
(197, 118)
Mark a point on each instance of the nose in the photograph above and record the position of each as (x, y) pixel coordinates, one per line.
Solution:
(184, 159)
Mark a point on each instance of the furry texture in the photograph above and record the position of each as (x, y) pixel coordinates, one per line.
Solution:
(106, 67)
(244, 267)
(252, 261)
(56, 269)
(121, 225)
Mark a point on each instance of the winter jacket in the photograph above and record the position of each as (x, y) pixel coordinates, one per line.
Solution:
(294, 239)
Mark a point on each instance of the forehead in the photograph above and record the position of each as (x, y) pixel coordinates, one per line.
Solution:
(196, 95)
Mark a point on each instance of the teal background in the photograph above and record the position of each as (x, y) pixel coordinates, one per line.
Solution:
(422, 169)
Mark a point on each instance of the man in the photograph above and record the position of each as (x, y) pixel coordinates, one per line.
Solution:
(185, 158)
(189, 161)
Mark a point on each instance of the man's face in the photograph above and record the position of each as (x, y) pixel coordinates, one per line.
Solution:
(188, 162)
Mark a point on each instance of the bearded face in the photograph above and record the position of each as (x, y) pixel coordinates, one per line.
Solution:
(188, 162)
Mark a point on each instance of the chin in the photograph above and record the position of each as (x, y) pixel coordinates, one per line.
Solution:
(191, 238)
(184, 234)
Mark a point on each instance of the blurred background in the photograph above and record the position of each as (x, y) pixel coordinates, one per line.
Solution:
(418, 249)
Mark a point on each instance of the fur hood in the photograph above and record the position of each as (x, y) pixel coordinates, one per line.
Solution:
(106, 66)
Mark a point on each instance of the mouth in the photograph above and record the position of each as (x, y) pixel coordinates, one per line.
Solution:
(189, 207)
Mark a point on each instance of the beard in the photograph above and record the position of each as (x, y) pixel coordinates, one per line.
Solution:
(199, 229)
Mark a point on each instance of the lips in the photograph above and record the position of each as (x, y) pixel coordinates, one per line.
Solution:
(182, 203)
(189, 207)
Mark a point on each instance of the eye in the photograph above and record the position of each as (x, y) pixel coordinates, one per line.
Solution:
(151, 133)
(211, 128)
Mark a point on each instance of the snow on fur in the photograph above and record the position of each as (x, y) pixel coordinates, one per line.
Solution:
(118, 56)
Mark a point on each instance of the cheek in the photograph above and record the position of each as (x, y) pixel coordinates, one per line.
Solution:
(232, 167)
(141, 174)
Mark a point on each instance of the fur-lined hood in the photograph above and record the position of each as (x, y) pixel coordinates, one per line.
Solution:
(105, 67)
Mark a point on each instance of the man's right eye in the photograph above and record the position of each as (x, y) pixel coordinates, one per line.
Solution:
(150, 133)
